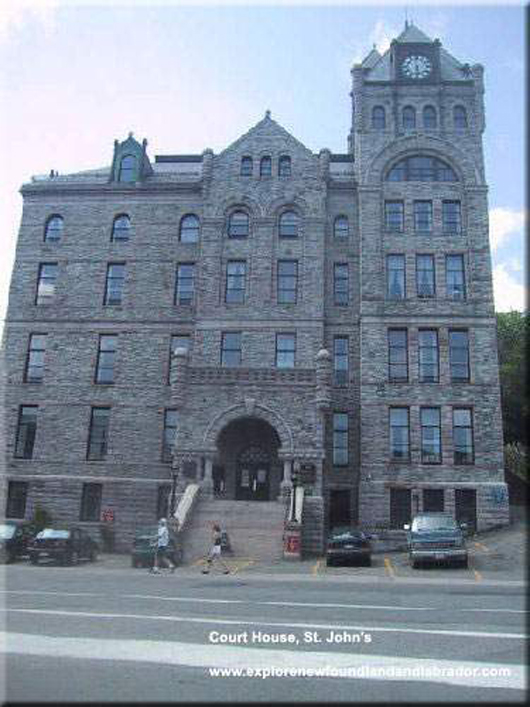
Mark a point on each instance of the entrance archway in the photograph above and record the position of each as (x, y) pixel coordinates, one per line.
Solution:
(247, 460)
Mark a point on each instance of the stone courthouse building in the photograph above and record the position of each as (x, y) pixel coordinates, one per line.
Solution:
(265, 315)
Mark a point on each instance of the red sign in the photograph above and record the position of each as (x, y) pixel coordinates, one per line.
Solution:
(107, 515)
(292, 544)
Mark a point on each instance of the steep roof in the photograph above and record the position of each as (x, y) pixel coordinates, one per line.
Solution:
(266, 128)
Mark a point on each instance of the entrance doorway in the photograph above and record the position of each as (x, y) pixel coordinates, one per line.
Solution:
(339, 507)
(400, 508)
(252, 475)
(433, 500)
(466, 508)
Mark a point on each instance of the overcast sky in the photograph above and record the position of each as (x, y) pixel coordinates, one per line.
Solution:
(74, 76)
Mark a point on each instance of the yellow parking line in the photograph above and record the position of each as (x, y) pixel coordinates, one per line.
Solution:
(316, 567)
(389, 568)
(481, 546)
(477, 574)
(200, 561)
(242, 566)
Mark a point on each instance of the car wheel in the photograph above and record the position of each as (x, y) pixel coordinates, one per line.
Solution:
(368, 562)
(414, 564)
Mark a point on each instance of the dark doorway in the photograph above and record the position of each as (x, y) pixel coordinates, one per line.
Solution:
(339, 507)
(252, 478)
(433, 500)
(466, 508)
(219, 480)
(400, 507)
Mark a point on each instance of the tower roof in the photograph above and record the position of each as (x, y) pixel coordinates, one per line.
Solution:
(411, 33)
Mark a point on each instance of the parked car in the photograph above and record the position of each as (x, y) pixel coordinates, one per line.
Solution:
(68, 546)
(347, 544)
(14, 540)
(436, 537)
(144, 546)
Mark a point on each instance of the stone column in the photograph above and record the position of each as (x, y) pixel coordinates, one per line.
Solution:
(286, 483)
(207, 482)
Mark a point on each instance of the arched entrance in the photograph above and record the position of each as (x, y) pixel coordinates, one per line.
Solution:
(247, 465)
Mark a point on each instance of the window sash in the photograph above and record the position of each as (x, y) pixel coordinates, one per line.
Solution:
(340, 439)
(394, 216)
(26, 432)
(429, 117)
(265, 167)
(409, 118)
(54, 229)
(398, 355)
(425, 276)
(341, 362)
(106, 357)
(91, 502)
(396, 277)
(288, 225)
(231, 349)
(285, 350)
(423, 216)
(189, 229)
(341, 227)
(284, 166)
(238, 225)
(399, 434)
(128, 166)
(428, 356)
(114, 283)
(17, 493)
(46, 282)
(454, 277)
(121, 228)
(341, 283)
(185, 283)
(34, 372)
(246, 167)
(287, 282)
(98, 434)
(451, 217)
(431, 436)
(235, 281)
(459, 355)
(463, 442)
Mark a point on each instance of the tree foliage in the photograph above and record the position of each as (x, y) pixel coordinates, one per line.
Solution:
(512, 341)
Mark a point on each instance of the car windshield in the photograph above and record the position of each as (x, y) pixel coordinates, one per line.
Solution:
(339, 533)
(7, 531)
(49, 533)
(430, 523)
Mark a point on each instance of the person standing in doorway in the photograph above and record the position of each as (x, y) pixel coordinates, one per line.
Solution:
(215, 551)
(161, 549)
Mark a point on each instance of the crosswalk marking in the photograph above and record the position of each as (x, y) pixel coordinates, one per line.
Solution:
(466, 673)
(292, 624)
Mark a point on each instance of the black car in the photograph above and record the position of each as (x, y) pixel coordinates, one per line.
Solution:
(68, 546)
(144, 546)
(14, 540)
(347, 544)
(436, 537)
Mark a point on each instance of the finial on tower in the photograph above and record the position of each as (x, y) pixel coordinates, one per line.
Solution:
(267, 114)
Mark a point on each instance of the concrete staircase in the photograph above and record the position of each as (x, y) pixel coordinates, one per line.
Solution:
(255, 529)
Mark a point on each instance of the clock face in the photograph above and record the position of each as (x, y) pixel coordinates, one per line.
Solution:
(416, 66)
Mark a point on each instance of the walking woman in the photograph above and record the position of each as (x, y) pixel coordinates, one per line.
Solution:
(215, 551)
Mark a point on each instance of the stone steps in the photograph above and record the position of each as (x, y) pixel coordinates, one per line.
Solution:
(255, 528)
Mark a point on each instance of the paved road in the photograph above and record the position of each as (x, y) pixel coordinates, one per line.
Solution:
(100, 633)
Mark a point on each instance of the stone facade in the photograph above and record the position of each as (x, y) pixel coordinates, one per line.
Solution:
(234, 421)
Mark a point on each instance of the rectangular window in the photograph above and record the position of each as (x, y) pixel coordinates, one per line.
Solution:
(46, 283)
(425, 276)
(395, 276)
(428, 355)
(464, 451)
(114, 283)
(398, 369)
(91, 502)
(178, 341)
(34, 371)
(17, 493)
(185, 283)
(287, 281)
(340, 439)
(399, 434)
(231, 349)
(162, 501)
(26, 431)
(340, 283)
(98, 434)
(459, 355)
(235, 281)
(455, 277)
(431, 436)
(394, 216)
(341, 359)
(106, 356)
(285, 350)
(423, 216)
(451, 218)
(170, 433)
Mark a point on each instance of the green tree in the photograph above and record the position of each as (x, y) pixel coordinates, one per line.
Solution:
(512, 341)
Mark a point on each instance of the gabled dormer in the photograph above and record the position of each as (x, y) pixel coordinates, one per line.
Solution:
(130, 163)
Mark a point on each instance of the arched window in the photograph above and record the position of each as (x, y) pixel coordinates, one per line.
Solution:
(288, 225)
(127, 169)
(420, 168)
(284, 166)
(265, 167)
(246, 166)
(409, 118)
(341, 227)
(54, 228)
(378, 118)
(121, 228)
(459, 117)
(189, 229)
(238, 225)
(429, 117)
